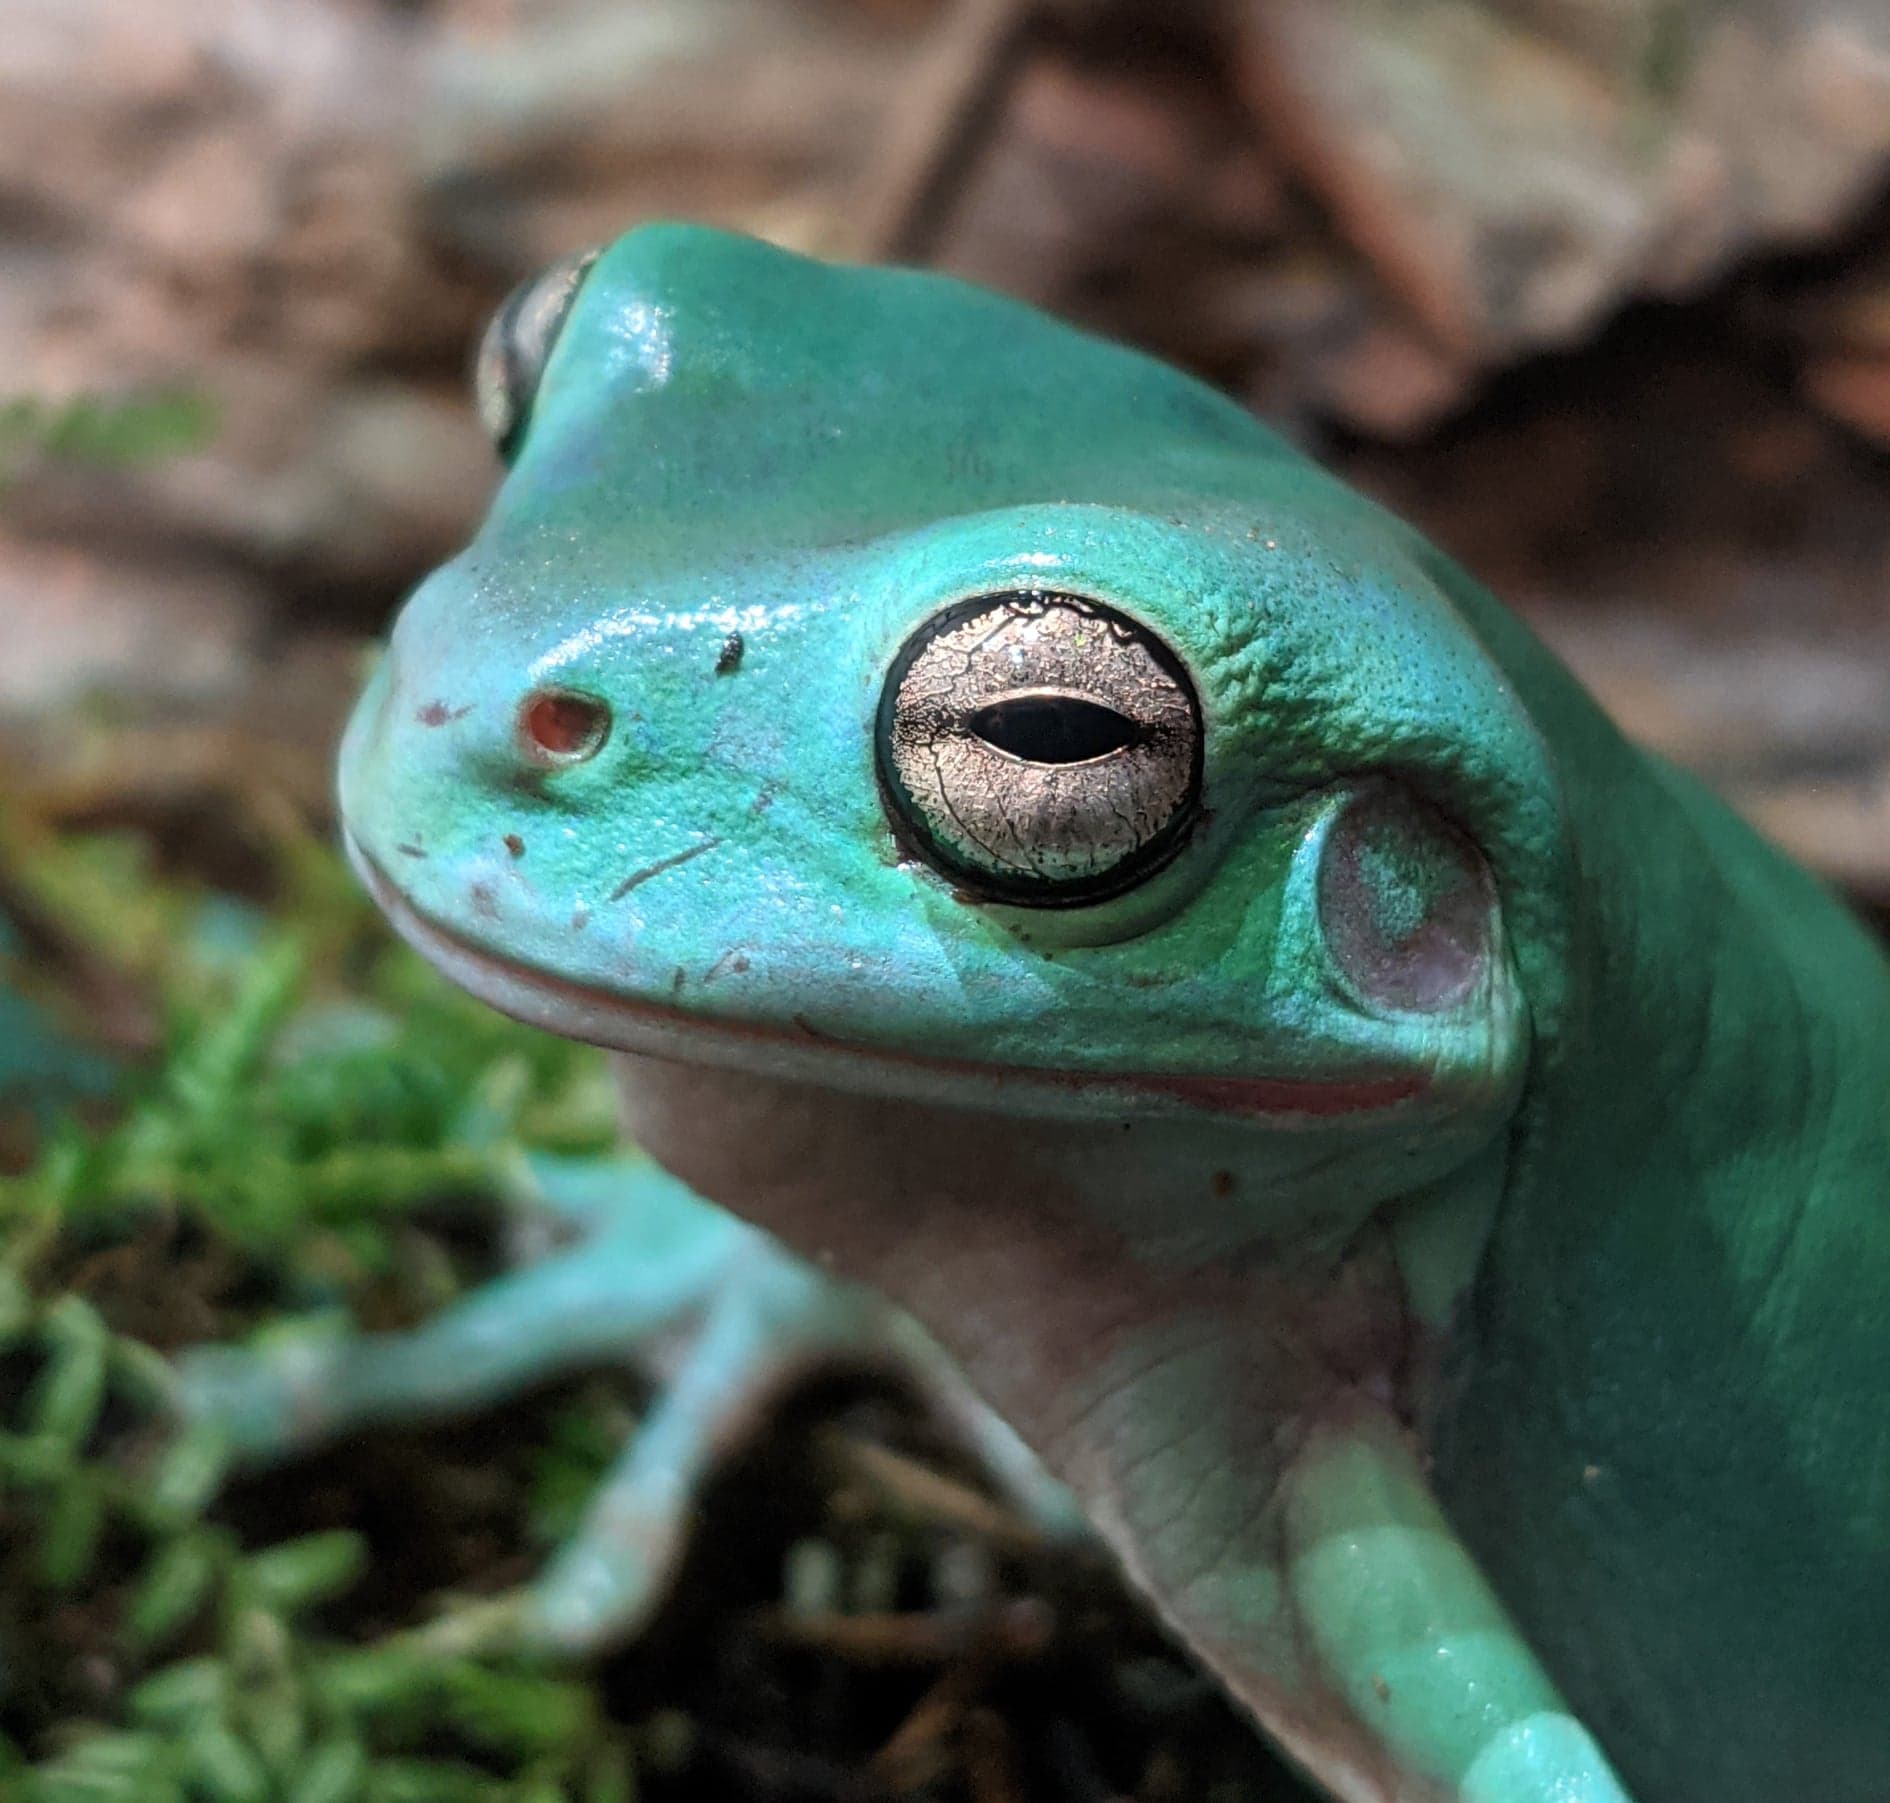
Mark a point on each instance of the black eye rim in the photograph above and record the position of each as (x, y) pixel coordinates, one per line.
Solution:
(906, 818)
(509, 364)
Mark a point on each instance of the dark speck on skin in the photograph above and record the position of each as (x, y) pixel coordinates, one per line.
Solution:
(515, 845)
(409, 850)
(729, 659)
(1222, 1183)
(729, 960)
(678, 977)
(637, 878)
(480, 895)
(437, 713)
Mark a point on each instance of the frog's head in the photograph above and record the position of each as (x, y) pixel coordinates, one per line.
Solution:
(862, 678)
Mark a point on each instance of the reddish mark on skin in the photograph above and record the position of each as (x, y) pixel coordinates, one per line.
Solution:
(1283, 1095)
(1222, 1184)
(1261, 1096)
(514, 844)
(409, 850)
(437, 713)
(729, 960)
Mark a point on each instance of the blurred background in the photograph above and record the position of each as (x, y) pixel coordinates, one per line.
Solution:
(1595, 291)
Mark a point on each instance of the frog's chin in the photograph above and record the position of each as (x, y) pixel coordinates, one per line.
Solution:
(803, 1053)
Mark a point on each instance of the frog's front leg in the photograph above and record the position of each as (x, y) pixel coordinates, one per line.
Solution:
(1303, 1557)
(721, 1318)
(637, 1269)
(1406, 1627)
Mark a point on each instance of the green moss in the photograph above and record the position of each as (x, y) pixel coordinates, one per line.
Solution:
(115, 431)
(314, 1088)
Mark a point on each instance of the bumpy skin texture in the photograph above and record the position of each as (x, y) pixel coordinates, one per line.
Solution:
(1474, 1345)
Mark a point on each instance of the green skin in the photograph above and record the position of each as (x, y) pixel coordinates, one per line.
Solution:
(1474, 1386)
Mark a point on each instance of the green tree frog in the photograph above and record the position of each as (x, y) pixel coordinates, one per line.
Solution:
(1416, 1167)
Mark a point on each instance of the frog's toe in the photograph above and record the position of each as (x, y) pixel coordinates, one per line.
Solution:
(600, 1301)
(760, 1335)
(1548, 1755)
(773, 1321)
(266, 1401)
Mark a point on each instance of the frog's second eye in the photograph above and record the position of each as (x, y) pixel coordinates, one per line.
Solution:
(1040, 749)
(513, 353)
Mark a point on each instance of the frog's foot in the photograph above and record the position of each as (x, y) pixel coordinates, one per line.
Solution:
(44, 1071)
(717, 1314)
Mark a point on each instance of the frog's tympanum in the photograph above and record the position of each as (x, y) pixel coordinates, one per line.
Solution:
(1416, 1167)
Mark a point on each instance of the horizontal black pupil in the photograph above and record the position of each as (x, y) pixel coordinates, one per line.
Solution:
(1053, 729)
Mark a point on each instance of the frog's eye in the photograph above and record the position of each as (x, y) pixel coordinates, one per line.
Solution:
(1406, 903)
(513, 353)
(1040, 749)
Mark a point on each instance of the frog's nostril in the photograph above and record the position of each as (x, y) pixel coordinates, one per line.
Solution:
(560, 726)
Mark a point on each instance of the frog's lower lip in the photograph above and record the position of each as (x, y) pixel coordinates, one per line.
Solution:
(620, 1024)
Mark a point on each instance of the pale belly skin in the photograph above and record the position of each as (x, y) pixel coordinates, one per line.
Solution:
(977, 1243)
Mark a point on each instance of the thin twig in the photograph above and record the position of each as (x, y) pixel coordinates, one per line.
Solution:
(938, 127)
(916, 1492)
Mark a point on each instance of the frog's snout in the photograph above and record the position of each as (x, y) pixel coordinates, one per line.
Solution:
(402, 728)
(363, 741)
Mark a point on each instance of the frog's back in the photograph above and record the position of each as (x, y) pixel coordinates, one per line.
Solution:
(1668, 1438)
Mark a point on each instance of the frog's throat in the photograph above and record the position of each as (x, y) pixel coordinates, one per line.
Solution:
(624, 1024)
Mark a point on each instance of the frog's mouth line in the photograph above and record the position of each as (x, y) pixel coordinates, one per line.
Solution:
(618, 1023)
